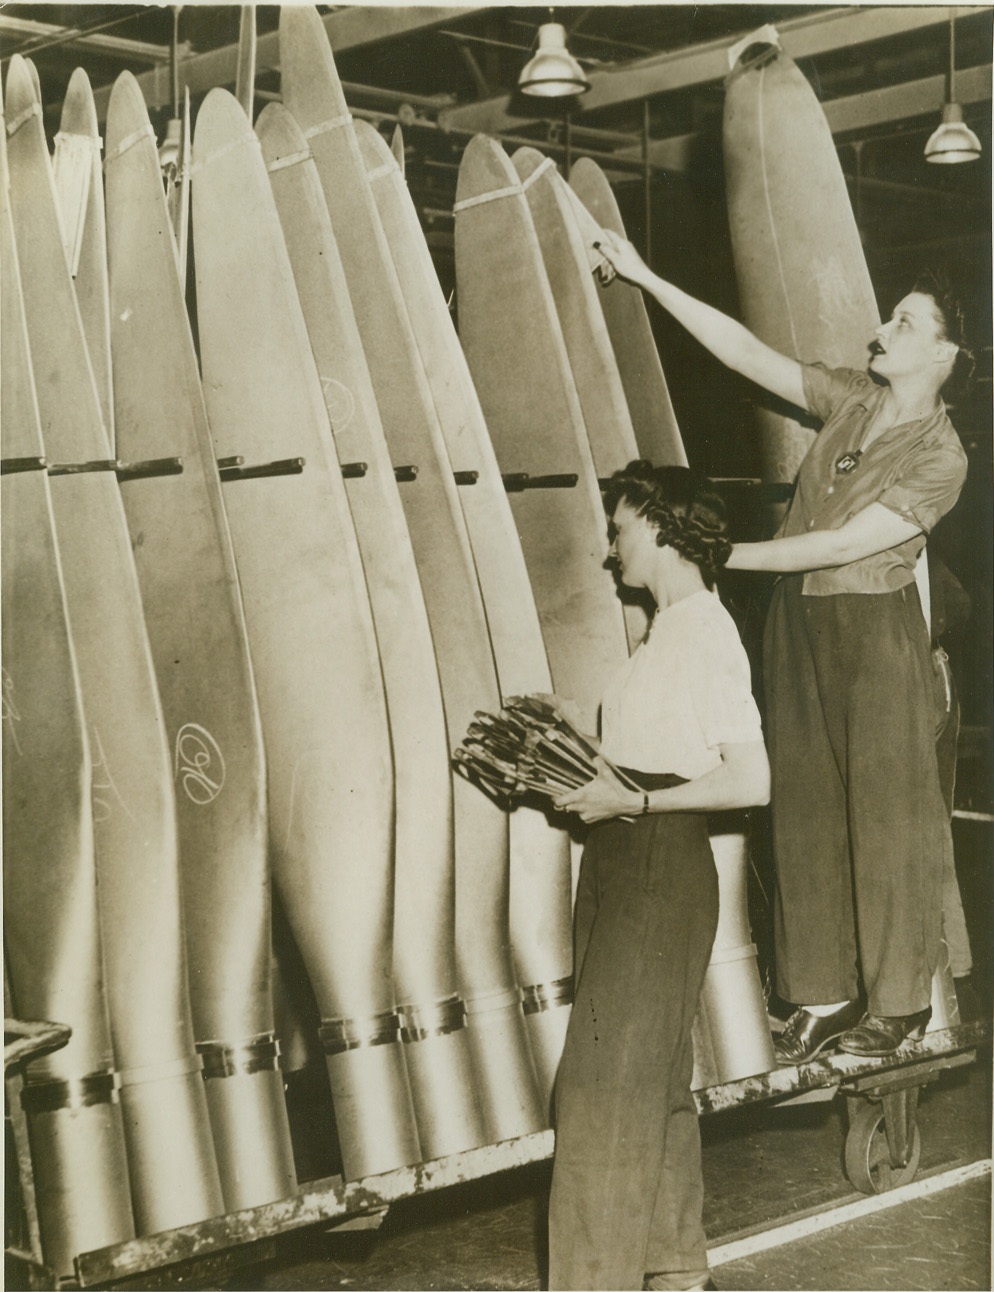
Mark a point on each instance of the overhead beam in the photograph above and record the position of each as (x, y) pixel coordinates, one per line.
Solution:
(851, 115)
(804, 37)
(348, 28)
(73, 38)
(912, 99)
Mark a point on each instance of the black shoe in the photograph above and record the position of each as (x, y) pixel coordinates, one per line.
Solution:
(807, 1034)
(875, 1036)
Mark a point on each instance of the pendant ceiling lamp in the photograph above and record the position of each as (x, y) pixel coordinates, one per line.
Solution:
(953, 141)
(553, 72)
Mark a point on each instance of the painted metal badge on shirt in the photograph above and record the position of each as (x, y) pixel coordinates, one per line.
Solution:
(848, 462)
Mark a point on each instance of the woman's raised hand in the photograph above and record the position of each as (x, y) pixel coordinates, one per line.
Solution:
(622, 257)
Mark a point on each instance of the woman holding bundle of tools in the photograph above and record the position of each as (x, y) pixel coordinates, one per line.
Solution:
(679, 720)
(858, 818)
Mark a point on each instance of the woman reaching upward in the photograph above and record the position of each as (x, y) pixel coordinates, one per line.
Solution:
(858, 817)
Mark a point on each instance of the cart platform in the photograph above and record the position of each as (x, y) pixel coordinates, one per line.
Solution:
(882, 1150)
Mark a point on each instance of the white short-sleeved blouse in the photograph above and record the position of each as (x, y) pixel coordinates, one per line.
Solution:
(684, 691)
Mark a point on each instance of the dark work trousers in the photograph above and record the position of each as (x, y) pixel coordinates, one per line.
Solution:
(859, 825)
(947, 733)
(626, 1183)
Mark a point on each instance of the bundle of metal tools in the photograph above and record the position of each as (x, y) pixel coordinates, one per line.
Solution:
(528, 747)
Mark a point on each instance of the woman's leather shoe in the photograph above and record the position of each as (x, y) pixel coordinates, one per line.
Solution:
(876, 1036)
(807, 1034)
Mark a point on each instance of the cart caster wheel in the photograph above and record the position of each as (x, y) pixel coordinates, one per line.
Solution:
(868, 1163)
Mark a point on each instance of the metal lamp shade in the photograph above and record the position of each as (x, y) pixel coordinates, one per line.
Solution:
(953, 140)
(553, 72)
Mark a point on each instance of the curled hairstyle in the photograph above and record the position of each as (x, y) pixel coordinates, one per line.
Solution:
(684, 508)
(951, 322)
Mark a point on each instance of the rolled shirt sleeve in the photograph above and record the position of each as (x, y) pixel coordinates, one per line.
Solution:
(928, 487)
(825, 388)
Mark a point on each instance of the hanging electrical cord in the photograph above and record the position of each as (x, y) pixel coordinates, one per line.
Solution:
(169, 149)
(245, 75)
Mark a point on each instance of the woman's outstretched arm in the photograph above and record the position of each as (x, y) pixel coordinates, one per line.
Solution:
(874, 529)
(731, 343)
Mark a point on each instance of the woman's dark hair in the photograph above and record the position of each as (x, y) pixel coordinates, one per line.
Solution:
(952, 326)
(683, 506)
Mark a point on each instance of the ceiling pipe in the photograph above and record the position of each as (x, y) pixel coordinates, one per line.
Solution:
(868, 183)
(49, 35)
(247, 46)
(171, 145)
(349, 27)
(430, 102)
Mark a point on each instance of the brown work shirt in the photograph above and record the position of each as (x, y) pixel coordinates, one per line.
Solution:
(915, 469)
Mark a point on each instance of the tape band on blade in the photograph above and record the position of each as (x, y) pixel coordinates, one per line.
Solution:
(182, 1067)
(420, 1022)
(339, 1035)
(745, 952)
(15, 123)
(505, 999)
(129, 142)
(466, 203)
(71, 1093)
(243, 141)
(547, 995)
(240, 1058)
(291, 159)
(86, 143)
(379, 172)
(333, 123)
(546, 164)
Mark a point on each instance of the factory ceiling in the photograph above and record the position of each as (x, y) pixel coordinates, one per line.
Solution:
(656, 70)
(652, 116)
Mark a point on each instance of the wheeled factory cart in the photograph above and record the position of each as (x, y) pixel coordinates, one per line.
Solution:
(882, 1151)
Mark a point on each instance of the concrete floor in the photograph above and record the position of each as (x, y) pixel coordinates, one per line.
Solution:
(939, 1241)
